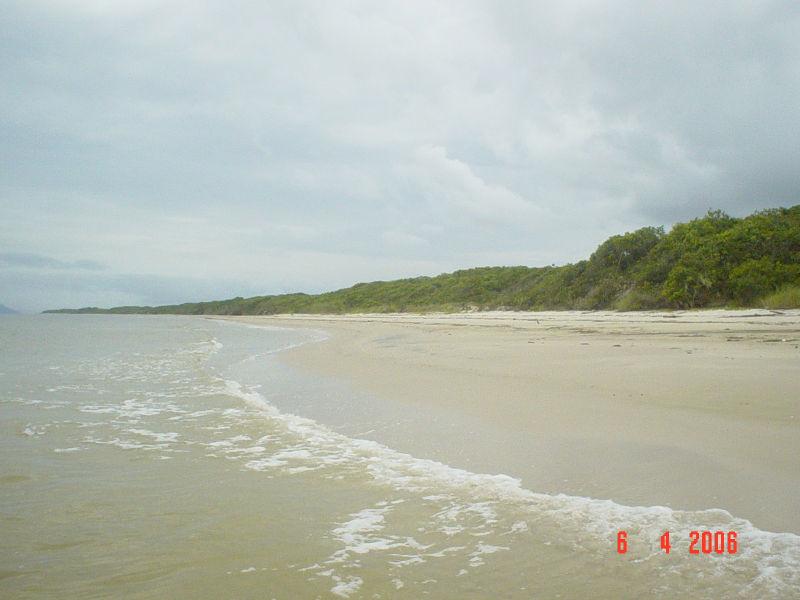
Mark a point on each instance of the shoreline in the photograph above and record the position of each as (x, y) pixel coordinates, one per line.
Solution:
(689, 409)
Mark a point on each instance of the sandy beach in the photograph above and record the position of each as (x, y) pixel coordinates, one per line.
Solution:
(691, 410)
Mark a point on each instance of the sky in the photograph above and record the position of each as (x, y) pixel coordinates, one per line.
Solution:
(160, 152)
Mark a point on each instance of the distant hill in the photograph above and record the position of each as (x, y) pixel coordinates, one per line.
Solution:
(4, 310)
(715, 260)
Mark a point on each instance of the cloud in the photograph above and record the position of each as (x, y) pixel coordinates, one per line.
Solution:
(403, 238)
(37, 261)
(58, 289)
(452, 184)
(300, 145)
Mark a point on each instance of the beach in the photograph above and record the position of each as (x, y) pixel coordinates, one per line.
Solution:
(449, 456)
(691, 410)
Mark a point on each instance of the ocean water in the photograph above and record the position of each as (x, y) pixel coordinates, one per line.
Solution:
(176, 457)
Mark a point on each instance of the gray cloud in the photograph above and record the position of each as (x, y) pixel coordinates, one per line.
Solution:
(60, 289)
(306, 145)
(37, 261)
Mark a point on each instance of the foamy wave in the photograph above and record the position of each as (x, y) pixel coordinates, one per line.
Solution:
(590, 523)
(313, 335)
(32, 430)
(346, 586)
(128, 444)
(476, 557)
(167, 437)
(133, 409)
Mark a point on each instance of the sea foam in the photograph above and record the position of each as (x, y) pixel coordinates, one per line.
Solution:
(591, 523)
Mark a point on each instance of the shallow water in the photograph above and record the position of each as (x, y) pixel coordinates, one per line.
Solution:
(169, 457)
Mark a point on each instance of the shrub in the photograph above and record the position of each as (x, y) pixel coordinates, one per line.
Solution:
(758, 277)
(638, 299)
(786, 297)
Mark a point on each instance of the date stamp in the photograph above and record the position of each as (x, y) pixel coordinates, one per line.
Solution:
(700, 542)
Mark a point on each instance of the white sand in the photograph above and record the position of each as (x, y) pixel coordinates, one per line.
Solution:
(687, 409)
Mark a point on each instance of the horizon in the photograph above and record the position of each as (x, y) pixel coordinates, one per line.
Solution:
(410, 278)
(159, 153)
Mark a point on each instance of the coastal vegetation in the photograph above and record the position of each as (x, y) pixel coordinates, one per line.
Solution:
(712, 261)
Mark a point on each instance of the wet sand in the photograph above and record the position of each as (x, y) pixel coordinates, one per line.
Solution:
(690, 410)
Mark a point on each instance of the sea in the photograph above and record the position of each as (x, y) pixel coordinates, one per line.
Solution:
(178, 457)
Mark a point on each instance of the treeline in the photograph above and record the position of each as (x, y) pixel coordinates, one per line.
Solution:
(716, 260)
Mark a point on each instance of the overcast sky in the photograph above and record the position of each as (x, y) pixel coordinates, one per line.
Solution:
(156, 152)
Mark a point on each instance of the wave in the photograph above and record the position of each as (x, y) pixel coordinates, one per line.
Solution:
(591, 524)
